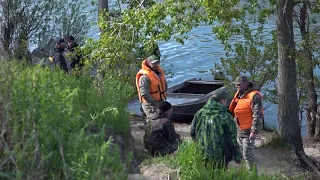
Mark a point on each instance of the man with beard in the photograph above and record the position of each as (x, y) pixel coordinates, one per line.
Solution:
(247, 109)
(151, 85)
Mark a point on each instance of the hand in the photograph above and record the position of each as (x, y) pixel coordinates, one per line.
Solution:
(51, 59)
(252, 136)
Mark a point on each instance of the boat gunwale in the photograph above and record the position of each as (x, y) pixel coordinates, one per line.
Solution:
(202, 99)
(195, 81)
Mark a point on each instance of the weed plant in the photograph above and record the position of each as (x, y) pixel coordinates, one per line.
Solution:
(44, 115)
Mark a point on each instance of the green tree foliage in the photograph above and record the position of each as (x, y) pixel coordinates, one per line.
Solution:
(28, 21)
(123, 36)
(73, 18)
(250, 48)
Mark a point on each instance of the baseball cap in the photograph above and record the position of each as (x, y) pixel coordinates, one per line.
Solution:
(153, 59)
(240, 79)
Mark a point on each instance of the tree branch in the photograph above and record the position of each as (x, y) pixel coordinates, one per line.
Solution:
(267, 106)
(284, 9)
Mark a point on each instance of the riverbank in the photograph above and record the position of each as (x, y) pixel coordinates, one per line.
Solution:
(270, 161)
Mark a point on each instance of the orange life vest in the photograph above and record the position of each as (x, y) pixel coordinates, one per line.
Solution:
(157, 86)
(241, 107)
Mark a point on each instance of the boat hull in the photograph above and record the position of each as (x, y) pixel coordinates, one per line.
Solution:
(188, 97)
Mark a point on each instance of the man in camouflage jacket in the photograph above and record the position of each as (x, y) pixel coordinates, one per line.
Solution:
(248, 112)
(214, 130)
(160, 136)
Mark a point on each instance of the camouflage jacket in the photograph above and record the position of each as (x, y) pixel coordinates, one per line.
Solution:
(215, 131)
(160, 135)
(257, 114)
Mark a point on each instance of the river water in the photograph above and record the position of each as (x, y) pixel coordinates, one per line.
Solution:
(196, 57)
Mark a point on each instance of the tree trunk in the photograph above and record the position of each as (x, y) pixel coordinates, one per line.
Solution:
(21, 51)
(2, 50)
(288, 108)
(287, 92)
(307, 71)
(317, 125)
(7, 27)
(103, 7)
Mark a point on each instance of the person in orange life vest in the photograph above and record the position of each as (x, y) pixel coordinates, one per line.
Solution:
(246, 107)
(151, 85)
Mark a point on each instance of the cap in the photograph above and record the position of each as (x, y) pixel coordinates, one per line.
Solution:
(219, 94)
(240, 79)
(153, 59)
(164, 106)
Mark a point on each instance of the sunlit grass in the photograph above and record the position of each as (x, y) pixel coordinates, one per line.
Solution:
(45, 115)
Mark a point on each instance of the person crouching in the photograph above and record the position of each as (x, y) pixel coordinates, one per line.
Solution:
(160, 136)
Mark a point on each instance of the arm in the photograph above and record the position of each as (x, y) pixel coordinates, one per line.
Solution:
(230, 132)
(56, 57)
(193, 131)
(257, 113)
(233, 103)
(144, 85)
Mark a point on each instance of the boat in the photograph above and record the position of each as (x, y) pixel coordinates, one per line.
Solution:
(186, 98)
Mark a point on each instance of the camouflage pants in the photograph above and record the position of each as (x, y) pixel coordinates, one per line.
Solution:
(148, 110)
(247, 148)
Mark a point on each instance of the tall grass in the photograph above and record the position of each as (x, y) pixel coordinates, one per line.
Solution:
(192, 166)
(277, 143)
(44, 115)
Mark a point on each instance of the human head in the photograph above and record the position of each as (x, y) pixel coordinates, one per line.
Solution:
(70, 41)
(60, 44)
(241, 83)
(220, 95)
(165, 107)
(153, 62)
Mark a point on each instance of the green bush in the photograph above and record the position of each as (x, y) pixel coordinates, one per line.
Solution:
(45, 117)
(192, 166)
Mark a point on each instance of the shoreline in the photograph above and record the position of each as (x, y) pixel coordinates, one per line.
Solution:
(269, 161)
